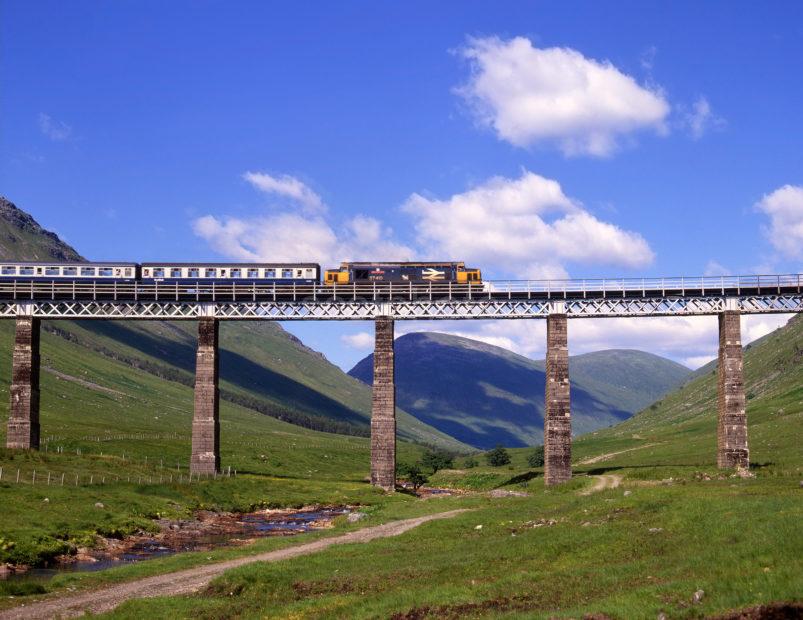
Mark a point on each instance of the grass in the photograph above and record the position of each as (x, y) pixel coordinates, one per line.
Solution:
(632, 555)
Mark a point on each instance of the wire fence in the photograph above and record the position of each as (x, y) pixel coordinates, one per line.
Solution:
(65, 478)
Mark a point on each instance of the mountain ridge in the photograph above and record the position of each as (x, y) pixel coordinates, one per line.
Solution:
(483, 394)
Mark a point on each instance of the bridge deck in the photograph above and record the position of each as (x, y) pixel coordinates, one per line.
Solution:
(632, 288)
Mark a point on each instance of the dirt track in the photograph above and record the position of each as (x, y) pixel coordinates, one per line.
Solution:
(193, 579)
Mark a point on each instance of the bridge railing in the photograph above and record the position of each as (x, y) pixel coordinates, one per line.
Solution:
(380, 291)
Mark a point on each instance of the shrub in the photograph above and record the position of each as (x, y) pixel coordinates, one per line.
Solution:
(470, 462)
(536, 458)
(498, 457)
(437, 460)
(413, 474)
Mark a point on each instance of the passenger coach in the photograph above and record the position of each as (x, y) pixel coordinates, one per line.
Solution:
(78, 272)
(238, 273)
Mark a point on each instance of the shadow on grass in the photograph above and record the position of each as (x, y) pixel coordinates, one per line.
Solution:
(525, 477)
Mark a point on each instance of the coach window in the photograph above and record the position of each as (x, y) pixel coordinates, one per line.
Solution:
(105, 272)
(87, 271)
(193, 272)
(270, 273)
(210, 273)
(128, 272)
(159, 272)
(9, 271)
(175, 273)
(287, 273)
(26, 271)
(253, 273)
(236, 273)
(51, 271)
(70, 271)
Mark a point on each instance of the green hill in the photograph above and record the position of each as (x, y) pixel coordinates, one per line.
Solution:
(681, 428)
(485, 395)
(263, 368)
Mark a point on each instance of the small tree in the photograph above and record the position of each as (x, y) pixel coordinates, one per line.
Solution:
(437, 460)
(498, 457)
(470, 462)
(413, 474)
(536, 459)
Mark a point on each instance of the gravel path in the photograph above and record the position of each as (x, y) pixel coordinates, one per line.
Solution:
(193, 579)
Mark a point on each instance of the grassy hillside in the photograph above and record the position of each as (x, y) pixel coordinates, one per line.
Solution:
(681, 428)
(484, 395)
(22, 238)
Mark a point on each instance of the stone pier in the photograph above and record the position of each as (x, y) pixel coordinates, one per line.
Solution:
(732, 419)
(383, 408)
(23, 418)
(206, 419)
(557, 413)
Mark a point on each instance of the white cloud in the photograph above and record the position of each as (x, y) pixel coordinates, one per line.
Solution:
(295, 238)
(529, 95)
(287, 186)
(360, 340)
(692, 341)
(784, 207)
(701, 118)
(525, 226)
(713, 268)
(53, 129)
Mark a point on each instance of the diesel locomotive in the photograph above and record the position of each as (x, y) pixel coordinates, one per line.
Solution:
(417, 273)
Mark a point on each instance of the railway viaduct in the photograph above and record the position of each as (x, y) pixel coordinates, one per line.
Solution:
(554, 301)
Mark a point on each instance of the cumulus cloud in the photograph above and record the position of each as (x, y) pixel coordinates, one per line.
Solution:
(360, 340)
(53, 129)
(286, 186)
(525, 226)
(692, 341)
(701, 118)
(292, 237)
(713, 268)
(529, 95)
(784, 207)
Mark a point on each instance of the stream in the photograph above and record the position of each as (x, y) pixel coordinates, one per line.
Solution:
(209, 531)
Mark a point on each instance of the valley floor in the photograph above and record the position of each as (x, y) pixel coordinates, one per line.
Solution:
(697, 545)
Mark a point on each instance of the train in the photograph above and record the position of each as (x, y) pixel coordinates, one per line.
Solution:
(390, 273)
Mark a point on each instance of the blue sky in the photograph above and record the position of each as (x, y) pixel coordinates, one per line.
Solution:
(532, 139)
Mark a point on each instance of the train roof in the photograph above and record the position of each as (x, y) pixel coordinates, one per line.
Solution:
(346, 264)
(169, 264)
(67, 263)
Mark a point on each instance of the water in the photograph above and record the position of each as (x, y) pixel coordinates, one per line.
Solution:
(197, 538)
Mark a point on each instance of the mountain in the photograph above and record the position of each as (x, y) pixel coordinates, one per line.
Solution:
(262, 368)
(22, 238)
(484, 395)
(681, 428)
